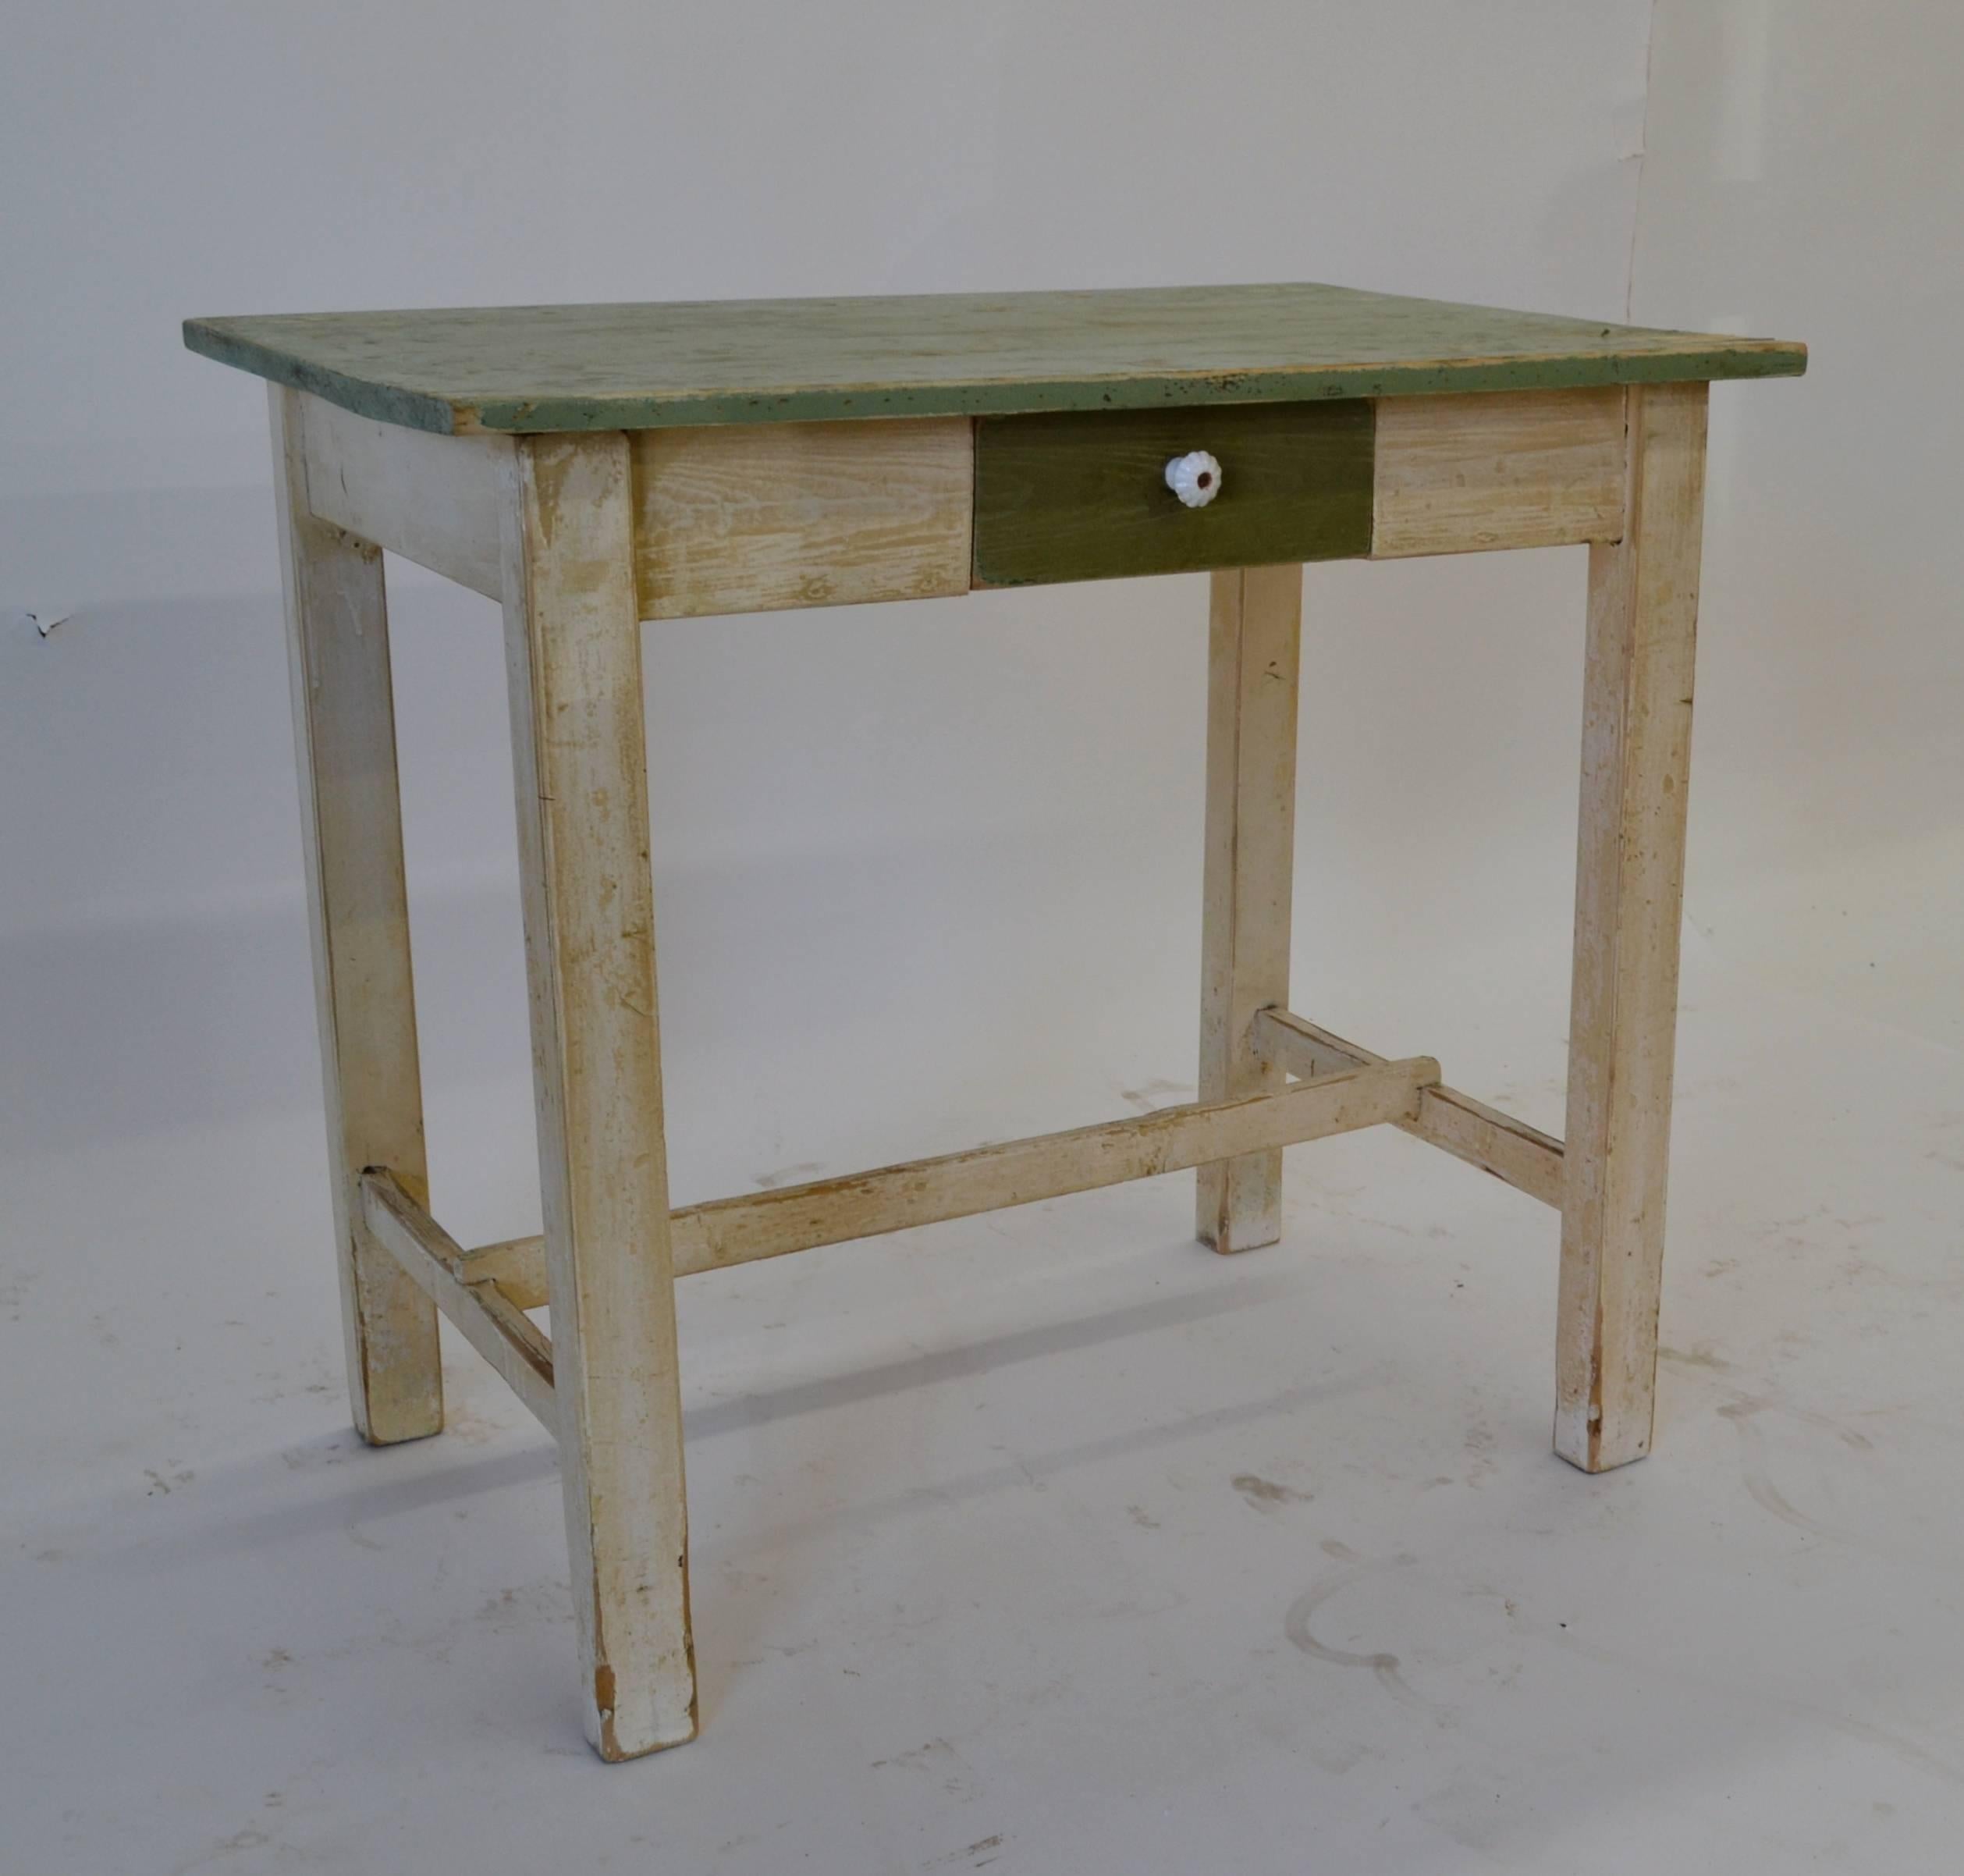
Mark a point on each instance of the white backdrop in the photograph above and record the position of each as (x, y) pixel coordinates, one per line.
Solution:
(927, 874)
(963, 839)
(1805, 169)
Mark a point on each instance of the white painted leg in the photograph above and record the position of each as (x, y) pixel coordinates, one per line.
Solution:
(1255, 633)
(344, 730)
(1636, 749)
(572, 637)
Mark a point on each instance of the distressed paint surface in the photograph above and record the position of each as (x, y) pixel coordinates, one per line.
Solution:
(1073, 496)
(1629, 897)
(344, 729)
(760, 518)
(1538, 469)
(573, 667)
(1254, 656)
(644, 366)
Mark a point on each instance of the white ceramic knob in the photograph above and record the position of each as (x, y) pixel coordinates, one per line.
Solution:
(1195, 478)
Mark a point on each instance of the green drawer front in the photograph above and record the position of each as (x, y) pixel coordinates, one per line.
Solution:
(1082, 496)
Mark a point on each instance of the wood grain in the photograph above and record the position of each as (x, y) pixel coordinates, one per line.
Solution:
(1532, 469)
(1255, 633)
(540, 368)
(1636, 752)
(573, 638)
(344, 732)
(1010, 1172)
(1084, 497)
(753, 519)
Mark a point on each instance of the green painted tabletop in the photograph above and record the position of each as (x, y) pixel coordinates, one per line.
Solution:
(749, 361)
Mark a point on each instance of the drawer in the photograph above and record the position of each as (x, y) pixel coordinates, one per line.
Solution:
(1083, 495)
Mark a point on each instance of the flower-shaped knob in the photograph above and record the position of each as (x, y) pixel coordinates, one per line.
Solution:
(1195, 478)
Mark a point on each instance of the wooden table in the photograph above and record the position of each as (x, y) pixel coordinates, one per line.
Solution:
(594, 467)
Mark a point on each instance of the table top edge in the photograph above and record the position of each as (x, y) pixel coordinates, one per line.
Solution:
(393, 398)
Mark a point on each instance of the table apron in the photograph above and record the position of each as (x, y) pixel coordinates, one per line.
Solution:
(769, 517)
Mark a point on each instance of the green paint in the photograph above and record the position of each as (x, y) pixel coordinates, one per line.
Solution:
(632, 368)
(1082, 496)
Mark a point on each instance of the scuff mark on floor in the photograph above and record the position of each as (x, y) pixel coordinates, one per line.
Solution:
(1265, 1495)
(1381, 1662)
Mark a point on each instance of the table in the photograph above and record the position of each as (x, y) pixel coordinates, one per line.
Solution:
(590, 468)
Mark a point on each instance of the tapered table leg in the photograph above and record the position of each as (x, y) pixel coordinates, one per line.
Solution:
(1636, 749)
(344, 731)
(572, 637)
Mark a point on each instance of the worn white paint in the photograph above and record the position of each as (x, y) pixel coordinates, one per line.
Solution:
(1523, 1157)
(1629, 888)
(573, 669)
(351, 836)
(1254, 646)
(1497, 470)
(1349, 1094)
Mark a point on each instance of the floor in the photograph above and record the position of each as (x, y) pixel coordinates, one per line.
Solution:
(1045, 1542)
